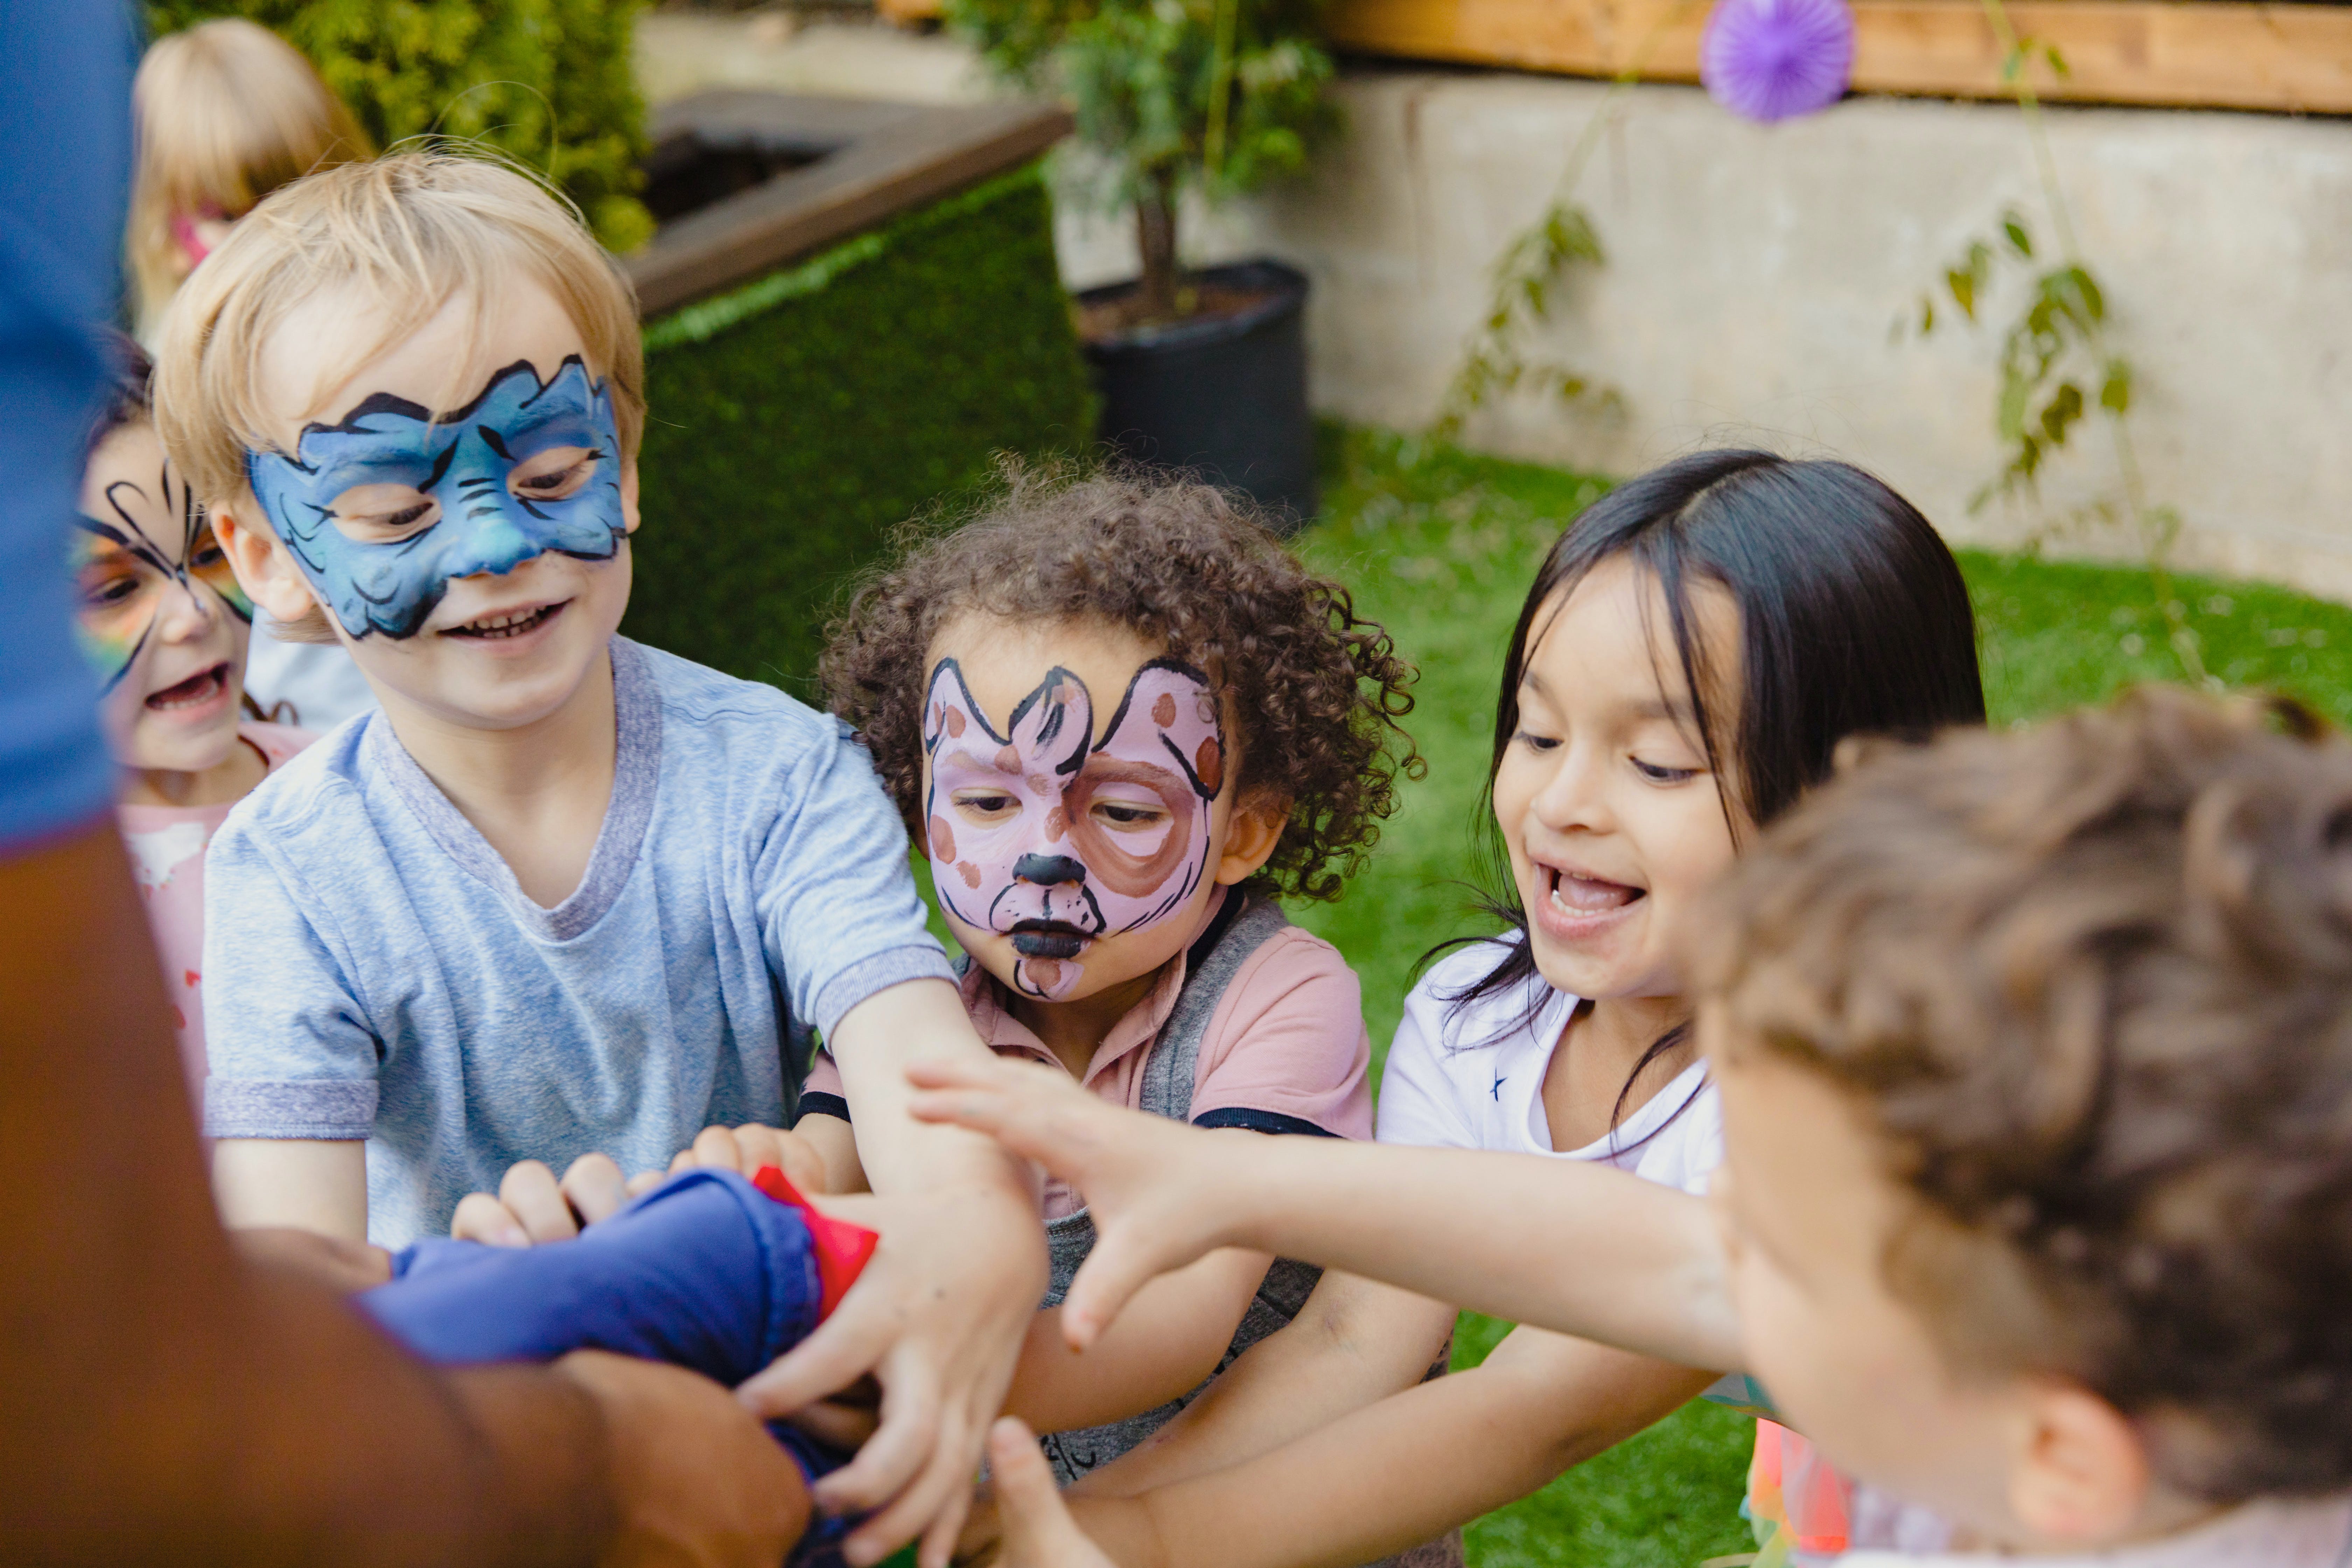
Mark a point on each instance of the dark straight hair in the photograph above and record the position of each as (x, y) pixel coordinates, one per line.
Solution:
(1853, 620)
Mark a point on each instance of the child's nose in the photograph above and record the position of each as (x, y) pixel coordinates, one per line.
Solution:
(1574, 795)
(1049, 870)
(185, 614)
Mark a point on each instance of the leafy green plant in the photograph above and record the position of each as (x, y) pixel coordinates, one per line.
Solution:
(1213, 96)
(2059, 363)
(548, 82)
(1525, 277)
(1562, 239)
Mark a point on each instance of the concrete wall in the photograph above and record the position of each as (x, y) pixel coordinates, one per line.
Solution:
(1754, 274)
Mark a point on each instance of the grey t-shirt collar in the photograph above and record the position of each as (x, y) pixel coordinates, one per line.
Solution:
(636, 774)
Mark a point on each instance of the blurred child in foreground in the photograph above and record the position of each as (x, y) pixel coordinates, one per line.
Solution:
(227, 111)
(2036, 1052)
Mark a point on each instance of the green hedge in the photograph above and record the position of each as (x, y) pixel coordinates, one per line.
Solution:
(548, 82)
(796, 422)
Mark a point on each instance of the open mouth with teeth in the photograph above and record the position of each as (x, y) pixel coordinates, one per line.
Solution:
(204, 687)
(509, 624)
(1582, 897)
(1048, 939)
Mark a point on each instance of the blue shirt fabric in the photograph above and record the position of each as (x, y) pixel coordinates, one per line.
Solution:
(372, 969)
(65, 122)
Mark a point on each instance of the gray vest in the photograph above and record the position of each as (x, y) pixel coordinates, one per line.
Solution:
(1168, 1074)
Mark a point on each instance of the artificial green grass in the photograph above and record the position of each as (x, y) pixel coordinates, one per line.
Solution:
(1439, 546)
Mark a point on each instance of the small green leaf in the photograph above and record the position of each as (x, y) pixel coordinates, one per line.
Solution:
(2114, 392)
(2020, 239)
(2010, 417)
(2066, 406)
(2058, 66)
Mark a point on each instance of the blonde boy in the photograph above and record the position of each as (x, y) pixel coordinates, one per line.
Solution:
(564, 893)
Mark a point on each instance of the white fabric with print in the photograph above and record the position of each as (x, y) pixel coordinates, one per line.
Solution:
(1470, 1076)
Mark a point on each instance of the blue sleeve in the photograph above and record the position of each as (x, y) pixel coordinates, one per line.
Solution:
(837, 901)
(65, 123)
(291, 1049)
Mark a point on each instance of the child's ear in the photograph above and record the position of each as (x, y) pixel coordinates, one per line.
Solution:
(2081, 1473)
(629, 494)
(1251, 836)
(265, 569)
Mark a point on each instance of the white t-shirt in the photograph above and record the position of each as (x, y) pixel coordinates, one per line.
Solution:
(1470, 1076)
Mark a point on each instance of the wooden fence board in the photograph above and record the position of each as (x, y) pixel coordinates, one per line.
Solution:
(2195, 54)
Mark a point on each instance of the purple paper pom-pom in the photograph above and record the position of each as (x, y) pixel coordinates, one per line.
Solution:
(1771, 59)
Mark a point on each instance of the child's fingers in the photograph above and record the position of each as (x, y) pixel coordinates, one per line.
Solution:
(714, 1149)
(645, 1182)
(838, 1423)
(964, 1072)
(1039, 1531)
(836, 1353)
(594, 1188)
(1034, 1125)
(482, 1217)
(789, 1153)
(531, 1193)
(1109, 1278)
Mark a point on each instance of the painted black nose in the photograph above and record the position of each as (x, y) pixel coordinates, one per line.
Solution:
(1049, 870)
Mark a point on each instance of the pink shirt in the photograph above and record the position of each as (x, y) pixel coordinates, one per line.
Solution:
(167, 858)
(1286, 1039)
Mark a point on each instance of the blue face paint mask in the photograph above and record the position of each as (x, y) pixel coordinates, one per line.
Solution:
(461, 462)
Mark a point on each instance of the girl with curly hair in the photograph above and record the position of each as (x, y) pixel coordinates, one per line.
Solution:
(1124, 724)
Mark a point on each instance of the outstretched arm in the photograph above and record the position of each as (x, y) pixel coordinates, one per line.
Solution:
(1354, 1342)
(1571, 1245)
(1402, 1471)
(941, 1314)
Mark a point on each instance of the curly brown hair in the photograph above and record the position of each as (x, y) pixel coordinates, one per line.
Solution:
(1316, 689)
(2093, 982)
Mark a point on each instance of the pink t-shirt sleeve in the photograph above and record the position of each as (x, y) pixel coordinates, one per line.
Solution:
(824, 1077)
(1287, 1045)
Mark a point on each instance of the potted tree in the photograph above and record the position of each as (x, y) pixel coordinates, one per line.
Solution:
(1203, 369)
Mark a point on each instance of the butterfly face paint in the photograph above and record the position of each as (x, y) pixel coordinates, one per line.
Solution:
(386, 508)
(130, 562)
(1041, 834)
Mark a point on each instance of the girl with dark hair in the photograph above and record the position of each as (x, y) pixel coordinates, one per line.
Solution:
(1690, 656)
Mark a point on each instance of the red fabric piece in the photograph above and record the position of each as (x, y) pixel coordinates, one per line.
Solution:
(842, 1249)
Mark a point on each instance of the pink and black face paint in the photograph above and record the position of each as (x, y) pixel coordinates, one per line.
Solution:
(1016, 839)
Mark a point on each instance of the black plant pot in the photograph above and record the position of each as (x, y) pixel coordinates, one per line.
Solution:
(1223, 395)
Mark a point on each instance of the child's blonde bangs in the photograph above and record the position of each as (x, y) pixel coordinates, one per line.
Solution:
(227, 111)
(405, 235)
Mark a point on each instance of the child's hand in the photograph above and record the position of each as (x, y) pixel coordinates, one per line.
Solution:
(1161, 1194)
(744, 1150)
(532, 1206)
(1033, 1525)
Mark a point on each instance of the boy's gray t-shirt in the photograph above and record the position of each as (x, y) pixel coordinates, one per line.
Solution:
(373, 970)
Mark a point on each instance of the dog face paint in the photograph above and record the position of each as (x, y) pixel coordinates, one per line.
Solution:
(385, 508)
(1040, 833)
